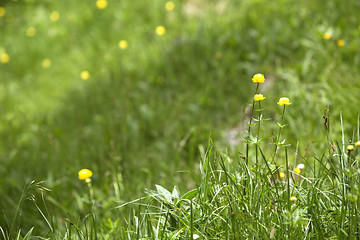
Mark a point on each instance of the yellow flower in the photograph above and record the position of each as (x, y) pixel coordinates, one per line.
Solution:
(2, 11)
(258, 97)
(293, 199)
(297, 170)
(123, 44)
(46, 63)
(258, 78)
(4, 58)
(281, 174)
(284, 101)
(357, 144)
(160, 30)
(327, 36)
(30, 32)
(169, 6)
(54, 16)
(84, 75)
(350, 147)
(101, 4)
(340, 43)
(84, 174)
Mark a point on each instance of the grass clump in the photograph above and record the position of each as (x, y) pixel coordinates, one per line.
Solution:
(265, 194)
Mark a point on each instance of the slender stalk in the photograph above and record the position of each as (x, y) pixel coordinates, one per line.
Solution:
(258, 134)
(249, 129)
(279, 134)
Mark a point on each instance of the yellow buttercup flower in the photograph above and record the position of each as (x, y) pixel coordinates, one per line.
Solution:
(258, 78)
(101, 4)
(4, 58)
(169, 6)
(85, 75)
(340, 43)
(258, 97)
(30, 32)
(327, 36)
(85, 174)
(281, 174)
(297, 170)
(123, 44)
(293, 199)
(46, 63)
(284, 101)
(160, 30)
(2, 11)
(357, 144)
(350, 147)
(54, 16)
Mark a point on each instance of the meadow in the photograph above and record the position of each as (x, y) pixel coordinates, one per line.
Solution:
(157, 100)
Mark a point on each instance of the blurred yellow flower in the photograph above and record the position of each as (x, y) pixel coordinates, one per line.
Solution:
(218, 55)
(101, 4)
(123, 44)
(46, 63)
(258, 97)
(85, 75)
(169, 6)
(327, 36)
(4, 58)
(54, 16)
(2, 11)
(281, 174)
(160, 30)
(350, 147)
(284, 101)
(293, 199)
(84, 174)
(357, 144)
(340, 43)
(30, 32)
(297, 170)
(258, 78)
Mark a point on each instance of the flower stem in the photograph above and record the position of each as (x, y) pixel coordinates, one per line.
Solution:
(249, 130)
(279, 134)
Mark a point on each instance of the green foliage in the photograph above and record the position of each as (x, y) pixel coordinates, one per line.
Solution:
(145, 113)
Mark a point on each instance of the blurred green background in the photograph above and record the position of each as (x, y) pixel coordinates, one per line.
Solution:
(138, 114)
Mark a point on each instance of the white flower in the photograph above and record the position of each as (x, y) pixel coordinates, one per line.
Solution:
(300, 166)
(195, 236)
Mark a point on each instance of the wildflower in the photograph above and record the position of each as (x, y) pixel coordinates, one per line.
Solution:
(297, 170)
(350, 147)
(4, 58)
(340, 43)
(30, 32)
(357, 144)
(84, 75)
(258, 97)
(281, 174)
(169, 6)
(54, 16)
(300, 166)
(293, 199)
(101, 4)
(284, 101)
(160, 30)
(123, 44)
(84, 174)
(195, 236)
(218, 55)
(46, 63)
(258, 78)
(2, 11)
(327, 36)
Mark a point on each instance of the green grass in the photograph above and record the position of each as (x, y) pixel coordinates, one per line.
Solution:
(145, 115)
